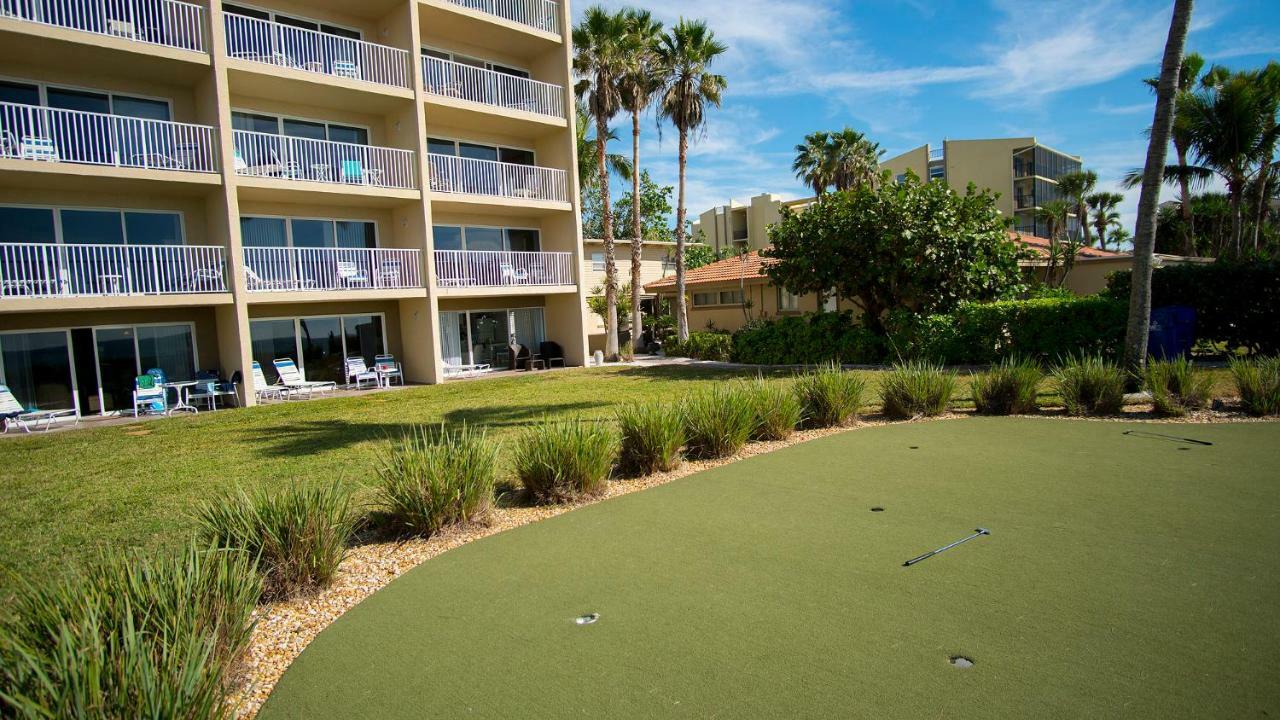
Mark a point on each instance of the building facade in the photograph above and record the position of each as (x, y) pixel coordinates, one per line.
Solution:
(195, 186)
(1023, 171)
(657, 260)
(737, 227)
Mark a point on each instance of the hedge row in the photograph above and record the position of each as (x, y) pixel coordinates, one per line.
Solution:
(806, 340)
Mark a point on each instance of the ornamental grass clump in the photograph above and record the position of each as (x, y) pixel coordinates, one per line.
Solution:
(1258, 382)
(560, 461)
(829, 396)
(1009, 388)
(916, 388)
(718, 421)
(433, 479)
(130, 636)
(652, 435)
(1090, 385)
(776, 407)
(298, 535)
(1176, 386)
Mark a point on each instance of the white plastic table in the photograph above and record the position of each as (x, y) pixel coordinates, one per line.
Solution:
(181, 388)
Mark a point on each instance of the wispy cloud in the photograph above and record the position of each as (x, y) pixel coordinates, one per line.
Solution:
(1104, 108)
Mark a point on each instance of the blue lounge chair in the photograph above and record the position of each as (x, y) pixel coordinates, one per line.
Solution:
(293, 379)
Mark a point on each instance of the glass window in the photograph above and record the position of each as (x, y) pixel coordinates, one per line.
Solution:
(303, 129)
(140, 107)
(79, 100)
(92, 227)
(322, 357)
(37, 368)
(255, 123)
(730, 297)
(297, 22)
(117, 366)
(489, 334)
(453, 336)
(517, 157)
(246, 12)
(22, 93)
(705, 298)
(478, 152)
(345, 134)
(356, 234)
(597, 261)
(526, 323)
(427, 52)
(481, 238)
(263, 232)
(787, 302)
(26, 225)
(510, 71)
(312, 233)
(442, 147)
(168, 347)
(271, 339)
(153, 228)
(519, 240)
(446, 237)
(340, 31)
(363, 336)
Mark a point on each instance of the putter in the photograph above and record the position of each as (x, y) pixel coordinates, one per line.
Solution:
(1162, 436)
(931, 553)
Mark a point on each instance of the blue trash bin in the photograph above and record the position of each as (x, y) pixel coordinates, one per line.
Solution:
(1173, 332)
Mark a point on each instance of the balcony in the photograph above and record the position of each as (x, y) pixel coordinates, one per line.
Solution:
(936, 153)
(156, 22)
(42, 270)
(500, 268)
(541, 15)
(452, 174)
(297, 269)
(1024, 202)
(282, 46)
(322, 161)
(449, 79)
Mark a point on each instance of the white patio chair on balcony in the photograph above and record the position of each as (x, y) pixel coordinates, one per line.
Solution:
(351, 275)
(256, 282)
(346, 69)
(36, 147)
(511, 275)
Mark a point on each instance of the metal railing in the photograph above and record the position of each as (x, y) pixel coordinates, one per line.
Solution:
(447, 78)
(500, 268)
(48, 270)
(936, 153)
(293, 158)
(33, 132)
(301, 49)
(540, 14)
(452, 174)
(1024, 202)
(311, 269)
(157, 22)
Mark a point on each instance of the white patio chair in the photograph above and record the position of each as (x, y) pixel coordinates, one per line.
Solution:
(351, 275)
(36, 147)
(292, 378)
(264, 390)
(511, 275)
(388, 369)
(149, 395)
(256, 282)
(13, 414)
(358, 372)
(346, 69)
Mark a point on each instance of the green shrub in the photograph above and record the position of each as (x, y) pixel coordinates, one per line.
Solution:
(298, 535)
(702, 346)
(1090, 385)
(718, 421)
(916, 388)
(829, 396)
(805, 340)
(652, 435)
(776, 408)
(1258, 382)
(565, 460)
(130, 636)
(1176, 386)
(433, 479)
(1008, 388)
(1040, 329)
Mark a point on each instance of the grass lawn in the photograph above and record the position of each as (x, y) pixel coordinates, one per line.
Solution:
(1126, 576)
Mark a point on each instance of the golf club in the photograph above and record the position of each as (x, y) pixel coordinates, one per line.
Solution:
(1162, 436)
(931, 553)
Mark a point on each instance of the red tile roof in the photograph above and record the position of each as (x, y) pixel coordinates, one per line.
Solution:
(1040, 246)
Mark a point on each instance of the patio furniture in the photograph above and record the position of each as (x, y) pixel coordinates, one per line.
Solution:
(158, 160)
(388, 369)
(466, 370)
(522, 355)
(389, 274)
(351, 275)
(36, 147)
(149, 396)
(9, 146)
(264, 390)
(13, 414)
(551, 353)
(346, 69)
(205, 279)
(209, 387)
(255, 282)
(354, 172)
(292, 378)
(358, 372)
(511, 275)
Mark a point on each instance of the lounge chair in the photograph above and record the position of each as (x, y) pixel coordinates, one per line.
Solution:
(466, 370)
(292, 378)
(36, 147)
(358, 372)
(209, 387)
(388, 369)
(255, 282)
(551, 353)
(149, 395)
(264, 390)
(13, 414)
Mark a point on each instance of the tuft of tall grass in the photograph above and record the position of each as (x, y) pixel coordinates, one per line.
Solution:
(432, 479)
(777, 409)
(829, 396)
(130, 636)
(1008, 388)
(652, 435)
(1090, 385)
(718, 421)
(916, 388)
(1258, 382)
(1176, 386)
(298, 535)
(564, 460)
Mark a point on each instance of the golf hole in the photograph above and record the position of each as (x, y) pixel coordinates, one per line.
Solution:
(877, 509)
(587, 619)
(961, 662)
(915, 447)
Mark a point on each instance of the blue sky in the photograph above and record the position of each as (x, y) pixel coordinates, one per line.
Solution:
(907, 72)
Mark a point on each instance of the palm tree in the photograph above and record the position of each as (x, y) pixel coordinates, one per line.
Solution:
(854, 159)
(1076, 187)
(1188, 76)
(602, 50)
(684, 56)
(812, 165)
(1061, 249)
(588, 160)
(1139, 326)
(1103, 205)
(638, 86)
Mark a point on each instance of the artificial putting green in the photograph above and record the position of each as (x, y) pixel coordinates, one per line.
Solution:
(1125, 576)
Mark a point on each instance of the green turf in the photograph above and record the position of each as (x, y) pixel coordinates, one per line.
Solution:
(1125, 577)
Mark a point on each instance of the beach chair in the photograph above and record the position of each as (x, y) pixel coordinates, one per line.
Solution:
(264, 390)
(149, 395)
(13, 414)
(388, 369)
(358, 372)
(292, 378)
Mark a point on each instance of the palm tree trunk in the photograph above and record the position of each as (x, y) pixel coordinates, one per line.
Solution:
(682, 311)
(1188, 218)
(1264, 177)
(1082, 217)
(1144, 236)
(637, 242)
(610, 263)
(1236, 190)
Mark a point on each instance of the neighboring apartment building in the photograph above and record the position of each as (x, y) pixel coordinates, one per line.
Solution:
(196, 186)
(657, 260)
(1023, 171)
(742, 227)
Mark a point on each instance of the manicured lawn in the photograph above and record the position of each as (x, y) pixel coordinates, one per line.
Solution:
(1126, 576)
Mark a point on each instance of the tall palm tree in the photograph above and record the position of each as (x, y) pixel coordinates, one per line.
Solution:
(1103, 205)
(1188, 76)
(602, 50)
(1139, 326)
(1062, 251)
(1076, 187)
(812, 165)
(684, 57)
(638, 86)
(588, 160)
(1264, 178)
(854, 160)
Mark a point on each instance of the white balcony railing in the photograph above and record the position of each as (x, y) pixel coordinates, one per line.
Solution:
(294, 158)
(309, 269)
(47, 270)
(157, 22)
(936, 153)
(447, 78)
(301, 49)
(452, 174)
(33, 132)
(540, 14)
(496, 268)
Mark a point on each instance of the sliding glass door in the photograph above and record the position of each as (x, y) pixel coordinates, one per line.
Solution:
(482, 336)
(320, 345)
(126, 352)
(37, 368)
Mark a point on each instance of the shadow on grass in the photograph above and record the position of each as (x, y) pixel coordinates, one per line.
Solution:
(675, 373)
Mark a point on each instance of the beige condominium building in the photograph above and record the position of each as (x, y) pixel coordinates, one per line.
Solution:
(657, 260)
(737, 226)
(195, 186)
(1023, 171)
